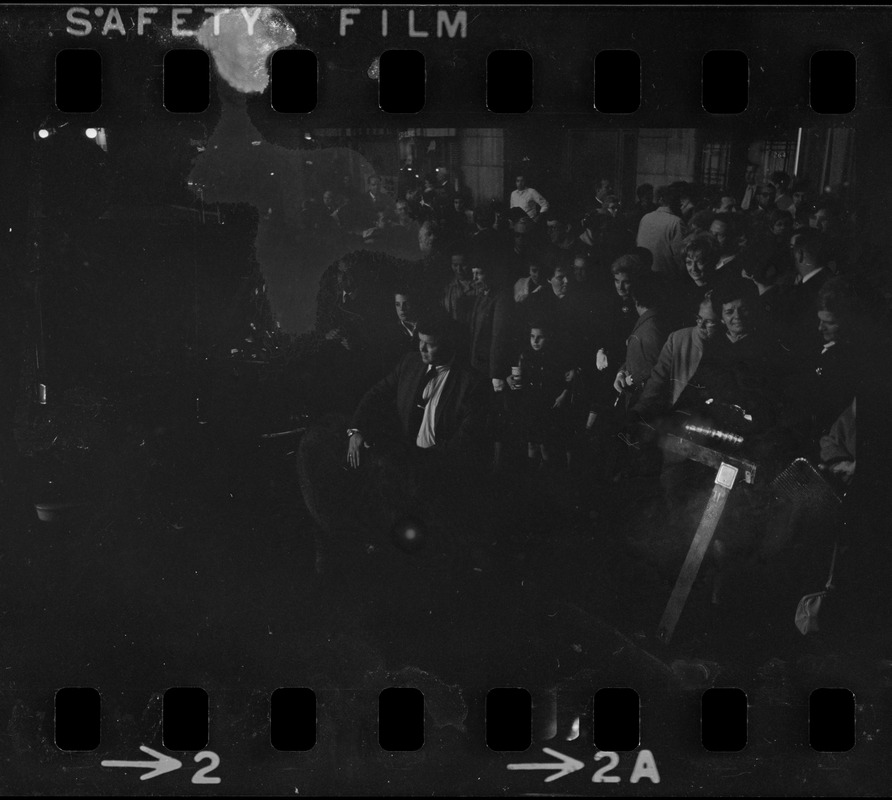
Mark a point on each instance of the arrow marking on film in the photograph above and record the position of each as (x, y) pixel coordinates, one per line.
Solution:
(565, 766)
(158, 767)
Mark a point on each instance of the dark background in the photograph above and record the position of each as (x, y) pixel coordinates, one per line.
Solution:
(206, 575)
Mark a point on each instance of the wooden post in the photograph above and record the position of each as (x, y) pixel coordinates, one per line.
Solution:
(724, 482)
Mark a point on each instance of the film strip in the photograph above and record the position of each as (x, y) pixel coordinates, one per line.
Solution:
(222, 571)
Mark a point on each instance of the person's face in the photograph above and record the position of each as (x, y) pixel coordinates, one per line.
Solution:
(426, 240)
(374, 184)
(603, 188)
(403, 306)
(821, 220)
(782, 228)
(402, 211)
(795, 250)
(555, 232)
(612, 208)
(458, 204)
(520, 182)
(765, 196)
(735, 316)
(622, 282)
(432, 350)
(328, 199)
(719, 231)
(696, 268)
(828, 325)
(560, 283)
(534, 273)
(707, 321)
(798, 198)
(480, 278)
(538, 337)
(580, 270)
(460, 267)
(728, 205)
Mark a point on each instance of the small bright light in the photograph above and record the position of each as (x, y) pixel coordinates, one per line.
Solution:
(308, 136)
(410, 533)
(43, 133)
(91, 133)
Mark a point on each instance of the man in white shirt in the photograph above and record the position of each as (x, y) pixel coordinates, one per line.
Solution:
(410, 445)
(528, 199)
(662, 232)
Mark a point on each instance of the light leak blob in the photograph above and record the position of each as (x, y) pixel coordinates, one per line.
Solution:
(241, 50)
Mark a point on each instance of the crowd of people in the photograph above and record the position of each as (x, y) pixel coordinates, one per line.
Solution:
(683, 299)
(568, 344)
(561, 354)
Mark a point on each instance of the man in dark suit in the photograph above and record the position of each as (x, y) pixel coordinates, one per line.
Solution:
(810, 258)
(436, 398)
(411, 444)
(399, 333)
(825, 379)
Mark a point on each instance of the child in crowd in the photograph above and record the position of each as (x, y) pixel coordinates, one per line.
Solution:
(541, 378)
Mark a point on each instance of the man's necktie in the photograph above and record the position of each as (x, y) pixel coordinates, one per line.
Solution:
(420, 401)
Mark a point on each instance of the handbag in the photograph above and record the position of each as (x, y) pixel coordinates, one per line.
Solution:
(809, 606)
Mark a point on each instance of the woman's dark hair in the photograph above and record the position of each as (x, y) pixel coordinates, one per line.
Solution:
(629, 264)
(545, 325)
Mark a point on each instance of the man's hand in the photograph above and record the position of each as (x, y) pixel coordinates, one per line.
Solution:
(334, 333)
(619, 384)
(513, 382)
(601, 360)
(354, 448)
(845, 470)
(498, 384)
